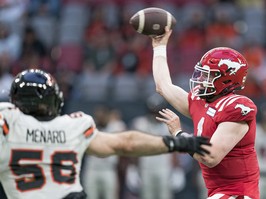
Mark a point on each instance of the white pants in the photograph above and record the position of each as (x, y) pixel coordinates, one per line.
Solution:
(101, 183)
(155, 184)
(262, 185)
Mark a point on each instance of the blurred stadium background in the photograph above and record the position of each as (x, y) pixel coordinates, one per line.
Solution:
(99, 59)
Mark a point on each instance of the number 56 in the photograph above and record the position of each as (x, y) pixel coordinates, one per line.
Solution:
(32, 175)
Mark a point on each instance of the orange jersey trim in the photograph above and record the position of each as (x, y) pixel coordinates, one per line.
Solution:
(5, 128)
(88, 132)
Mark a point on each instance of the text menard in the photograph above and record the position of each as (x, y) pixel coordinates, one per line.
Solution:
(46, 136)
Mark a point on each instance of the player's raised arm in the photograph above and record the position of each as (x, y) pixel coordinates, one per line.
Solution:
(175, 95)
(135, 143)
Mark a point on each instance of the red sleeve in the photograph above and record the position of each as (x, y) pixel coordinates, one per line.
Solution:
(242, 109)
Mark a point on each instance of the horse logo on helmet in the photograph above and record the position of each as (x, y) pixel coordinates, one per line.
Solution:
(233, 66)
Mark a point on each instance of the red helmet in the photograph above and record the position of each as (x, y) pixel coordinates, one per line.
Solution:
(220, 71)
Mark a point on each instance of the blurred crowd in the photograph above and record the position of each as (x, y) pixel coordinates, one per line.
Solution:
(99, 59)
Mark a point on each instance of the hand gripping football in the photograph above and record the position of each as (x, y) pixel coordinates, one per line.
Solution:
(152, 21)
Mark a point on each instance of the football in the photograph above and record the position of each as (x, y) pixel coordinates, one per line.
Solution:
(152, 21)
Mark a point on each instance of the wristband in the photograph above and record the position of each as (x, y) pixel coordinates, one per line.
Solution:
(178, 133)
(159, 51)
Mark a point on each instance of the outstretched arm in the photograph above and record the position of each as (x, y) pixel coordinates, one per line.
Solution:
(175, 95)
(135, 143)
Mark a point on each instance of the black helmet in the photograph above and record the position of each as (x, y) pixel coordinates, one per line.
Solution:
(36, 93)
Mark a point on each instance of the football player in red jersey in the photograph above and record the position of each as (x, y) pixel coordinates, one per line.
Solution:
(41, 150)
(229, 120)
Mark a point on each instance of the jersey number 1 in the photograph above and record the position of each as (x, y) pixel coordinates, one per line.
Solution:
(200, 126)
(32, 175)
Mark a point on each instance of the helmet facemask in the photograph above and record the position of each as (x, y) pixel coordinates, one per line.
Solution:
(202, 81)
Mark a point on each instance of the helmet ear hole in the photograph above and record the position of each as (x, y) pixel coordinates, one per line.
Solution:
(212, 61)
(227, 81)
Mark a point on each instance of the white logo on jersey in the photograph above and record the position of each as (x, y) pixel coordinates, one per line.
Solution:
(244, 109)
(231, 65)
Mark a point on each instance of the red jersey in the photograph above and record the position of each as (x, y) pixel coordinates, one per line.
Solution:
(238, 172)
